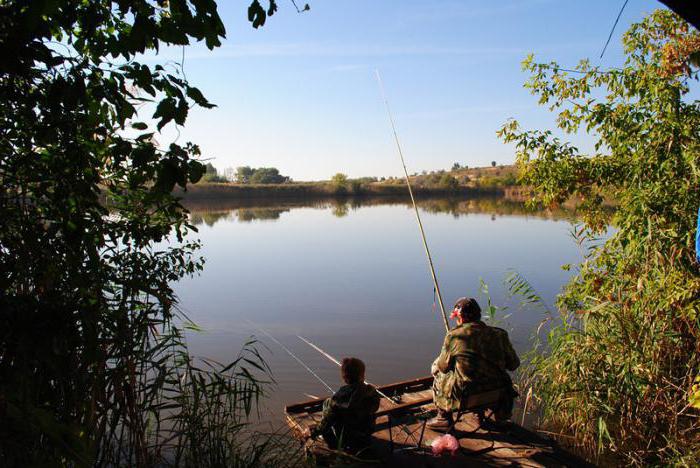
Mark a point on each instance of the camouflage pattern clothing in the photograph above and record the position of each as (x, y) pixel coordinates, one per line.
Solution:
(474, 358)
(349, 415)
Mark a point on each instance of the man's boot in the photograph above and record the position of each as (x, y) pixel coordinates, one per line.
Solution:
(442, 422)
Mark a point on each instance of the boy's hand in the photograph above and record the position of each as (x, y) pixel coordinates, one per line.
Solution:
(309, 432)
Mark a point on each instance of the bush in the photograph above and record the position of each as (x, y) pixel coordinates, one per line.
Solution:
(260, 175)
(626, 350)
(448, 182)
(356, 186)
(93, 368)
(340, 183)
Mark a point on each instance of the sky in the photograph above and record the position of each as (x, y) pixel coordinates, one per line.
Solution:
(301, 94)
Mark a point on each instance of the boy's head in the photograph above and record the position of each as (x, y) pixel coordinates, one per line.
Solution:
(352, 370)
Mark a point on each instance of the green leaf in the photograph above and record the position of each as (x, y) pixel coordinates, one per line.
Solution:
(256, 14)
(165, 111)
(196, 171)
(197, 96)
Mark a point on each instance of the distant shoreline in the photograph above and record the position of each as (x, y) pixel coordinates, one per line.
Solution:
(314, 190)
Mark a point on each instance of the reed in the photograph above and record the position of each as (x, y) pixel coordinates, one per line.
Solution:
(311, 190)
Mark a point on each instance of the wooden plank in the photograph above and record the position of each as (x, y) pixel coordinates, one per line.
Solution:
(390, 390)
(401, 407)
(488, 445)
(408, 385)
(412, 390)
(305, 407)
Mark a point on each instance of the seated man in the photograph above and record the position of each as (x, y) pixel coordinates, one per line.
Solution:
(348, 416)
(474, 359)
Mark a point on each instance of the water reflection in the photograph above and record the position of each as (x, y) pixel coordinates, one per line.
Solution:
(210, 211)
(340, 209)
(351, 275)
(246, 215)
(198, 217)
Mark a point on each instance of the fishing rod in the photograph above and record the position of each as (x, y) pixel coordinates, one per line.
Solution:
(413, 200)
(331, 358)
(292, 355)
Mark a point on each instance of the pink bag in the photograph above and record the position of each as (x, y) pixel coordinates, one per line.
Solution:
(446, 443)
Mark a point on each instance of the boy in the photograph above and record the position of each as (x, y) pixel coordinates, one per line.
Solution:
(348, 416)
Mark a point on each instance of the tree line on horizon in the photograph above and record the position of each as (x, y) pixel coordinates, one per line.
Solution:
(271, 175)
(245, 175)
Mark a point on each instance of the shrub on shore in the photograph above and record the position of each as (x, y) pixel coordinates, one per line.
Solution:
(625, 351)
(94, 370)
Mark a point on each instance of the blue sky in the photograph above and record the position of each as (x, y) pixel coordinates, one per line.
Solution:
(300, 93)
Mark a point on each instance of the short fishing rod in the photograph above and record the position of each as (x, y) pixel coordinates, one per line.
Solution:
(334, 360)
(293, 356)
(413, 200)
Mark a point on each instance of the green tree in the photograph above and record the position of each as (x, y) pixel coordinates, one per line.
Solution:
(456, 167)
(267, 175)
(493, 163)
(260, 175)
(623, 359)
(448, 182)
(243, 174)
(89, 351)
(339, 181)
(211, 174)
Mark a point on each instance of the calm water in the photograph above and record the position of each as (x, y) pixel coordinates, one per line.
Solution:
(353, 278)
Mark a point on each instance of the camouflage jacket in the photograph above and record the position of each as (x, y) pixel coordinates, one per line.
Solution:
(351, 409)
(474, 357)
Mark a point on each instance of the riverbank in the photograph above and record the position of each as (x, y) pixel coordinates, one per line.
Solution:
(318, 190)
(209, 211)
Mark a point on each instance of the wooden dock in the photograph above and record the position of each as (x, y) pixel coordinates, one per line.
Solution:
(403, 440)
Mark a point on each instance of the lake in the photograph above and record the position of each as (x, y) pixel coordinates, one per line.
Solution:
(352, 277)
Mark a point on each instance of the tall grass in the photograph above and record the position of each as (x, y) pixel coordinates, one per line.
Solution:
(181, 411)
(613, 379)
(203, 191)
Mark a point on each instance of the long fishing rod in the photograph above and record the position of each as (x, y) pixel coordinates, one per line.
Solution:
(413, 200)
(332, 359)
(293, 356)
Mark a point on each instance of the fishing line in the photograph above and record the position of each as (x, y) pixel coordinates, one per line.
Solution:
(382, 394)
(413, 200)
(319, 350)
(613, 28)
(292, 355)
(338, 363)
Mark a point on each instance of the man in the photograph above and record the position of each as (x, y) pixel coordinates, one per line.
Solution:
(474, 359)
(348, 416)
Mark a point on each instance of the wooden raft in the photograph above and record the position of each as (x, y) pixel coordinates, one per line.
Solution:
(400, 428)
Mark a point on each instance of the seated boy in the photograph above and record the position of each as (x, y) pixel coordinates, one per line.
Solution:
(348, 416)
